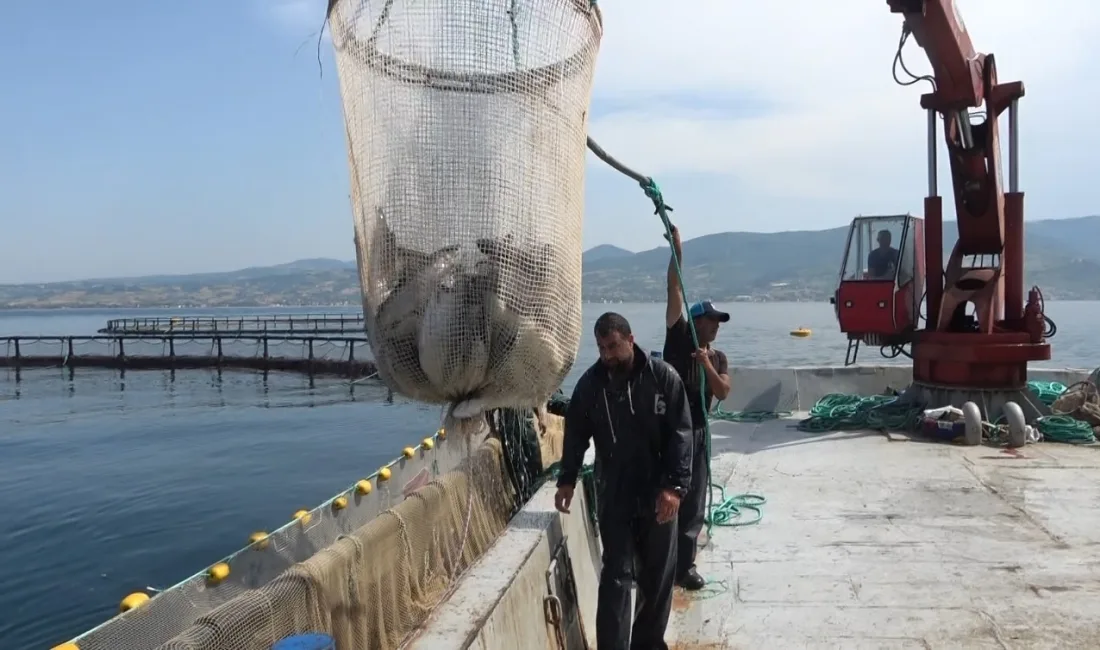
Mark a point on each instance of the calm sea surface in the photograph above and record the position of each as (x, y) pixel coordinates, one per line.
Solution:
(110, 483)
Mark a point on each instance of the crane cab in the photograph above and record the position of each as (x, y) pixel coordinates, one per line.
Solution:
(881, 283)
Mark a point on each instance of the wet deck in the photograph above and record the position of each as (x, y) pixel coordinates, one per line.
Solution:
(870, 542)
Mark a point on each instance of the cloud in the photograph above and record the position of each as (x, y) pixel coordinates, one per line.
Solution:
(834, 127)
(298, 17)
(787, 111)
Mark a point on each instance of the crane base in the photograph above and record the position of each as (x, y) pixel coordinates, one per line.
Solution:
(990, 401)
(961, 360)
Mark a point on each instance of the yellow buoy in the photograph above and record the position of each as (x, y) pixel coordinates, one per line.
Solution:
(133, 601)
(802, 332)
(384, 474)
(217, 573)
(339, 503)
(363, 487)
(428, 443)
(66, 646)
(258, 540)
(441, 434)
(408, 452)
(303, 516)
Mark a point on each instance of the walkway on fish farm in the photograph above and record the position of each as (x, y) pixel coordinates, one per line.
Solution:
(312, 355)
(874, 540)
(286, 324)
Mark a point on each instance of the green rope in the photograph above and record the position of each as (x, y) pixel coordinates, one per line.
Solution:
(729, 510)
(661, 210)
(1047, 391)
(717, 514)
(747, 416)
(1062, 428)
(1059, 428)
(836, 412)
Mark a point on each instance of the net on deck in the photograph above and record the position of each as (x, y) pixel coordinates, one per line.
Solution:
(466, 125)
(369, 581)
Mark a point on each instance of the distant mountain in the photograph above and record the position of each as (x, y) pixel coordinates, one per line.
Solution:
(318, 281)
(605, 252)
(798, 265)
(805, 265)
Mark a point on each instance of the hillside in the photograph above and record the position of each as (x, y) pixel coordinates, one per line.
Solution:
(799, 265)
(805, 265)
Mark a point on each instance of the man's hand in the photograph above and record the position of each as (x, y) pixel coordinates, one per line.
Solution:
(703, 357)
(675, 241)
(668, 505)
(563, 498)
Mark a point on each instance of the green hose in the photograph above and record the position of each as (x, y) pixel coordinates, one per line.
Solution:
(1059, 428)
(746, 416)
(1062, 428)
(1047, 391)
(836, 412)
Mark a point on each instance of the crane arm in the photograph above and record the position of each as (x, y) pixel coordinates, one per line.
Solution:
(964, 80)
(957, 67)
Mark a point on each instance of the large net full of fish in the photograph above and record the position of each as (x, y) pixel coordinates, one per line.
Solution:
(466, 124)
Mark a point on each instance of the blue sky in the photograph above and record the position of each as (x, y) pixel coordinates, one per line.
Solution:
(142, 137)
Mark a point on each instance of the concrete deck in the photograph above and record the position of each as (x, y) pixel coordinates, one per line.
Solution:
(876, 542)
(868, 541)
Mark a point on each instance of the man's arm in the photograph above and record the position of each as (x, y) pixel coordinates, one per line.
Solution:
(676, 434)
(718, 376)
(576, 437)
(674, 306)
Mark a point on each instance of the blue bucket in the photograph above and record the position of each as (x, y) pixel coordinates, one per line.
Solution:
(310, 641)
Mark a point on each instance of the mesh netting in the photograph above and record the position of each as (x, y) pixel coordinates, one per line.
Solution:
(466, 125)
(368, 572)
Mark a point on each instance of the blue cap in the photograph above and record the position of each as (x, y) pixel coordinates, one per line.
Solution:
(706, 308)
(309, 641)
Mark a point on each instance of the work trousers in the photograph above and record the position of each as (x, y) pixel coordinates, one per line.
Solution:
(693, 507)
(640, 549)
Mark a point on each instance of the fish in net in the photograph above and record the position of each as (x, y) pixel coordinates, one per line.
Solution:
(466, 124)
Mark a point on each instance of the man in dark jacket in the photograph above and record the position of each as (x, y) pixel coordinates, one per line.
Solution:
(635, 410)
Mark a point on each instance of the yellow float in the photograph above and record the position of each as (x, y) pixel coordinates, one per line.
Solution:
(801, 332)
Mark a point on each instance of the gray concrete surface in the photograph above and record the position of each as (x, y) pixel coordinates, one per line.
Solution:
(867, 541)
(873, 543)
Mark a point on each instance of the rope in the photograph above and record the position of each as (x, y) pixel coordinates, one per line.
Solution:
(522, 455)
(747, 416)
(836, 412)
(717, 514)
(1059, 428)
(1062, 428)
(1047, 391)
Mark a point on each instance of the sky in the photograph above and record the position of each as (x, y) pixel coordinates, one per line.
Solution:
(141, 137)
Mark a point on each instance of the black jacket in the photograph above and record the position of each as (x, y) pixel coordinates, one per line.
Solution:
(643, 442)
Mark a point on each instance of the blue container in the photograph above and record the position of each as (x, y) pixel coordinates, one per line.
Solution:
(942, 430)
(309, 641)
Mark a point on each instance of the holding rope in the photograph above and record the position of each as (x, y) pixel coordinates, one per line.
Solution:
(717, 514)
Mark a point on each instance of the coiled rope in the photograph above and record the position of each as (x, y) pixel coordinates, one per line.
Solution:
(837, 411)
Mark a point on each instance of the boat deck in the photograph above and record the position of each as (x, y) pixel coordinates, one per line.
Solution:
(876, 541)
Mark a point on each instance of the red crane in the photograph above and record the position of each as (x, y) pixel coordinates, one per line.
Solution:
(956, 356)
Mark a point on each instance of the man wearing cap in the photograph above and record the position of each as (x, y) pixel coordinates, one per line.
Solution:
(689, 361)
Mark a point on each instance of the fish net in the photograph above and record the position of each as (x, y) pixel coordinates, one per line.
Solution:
(466, 125)
(369, 573)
